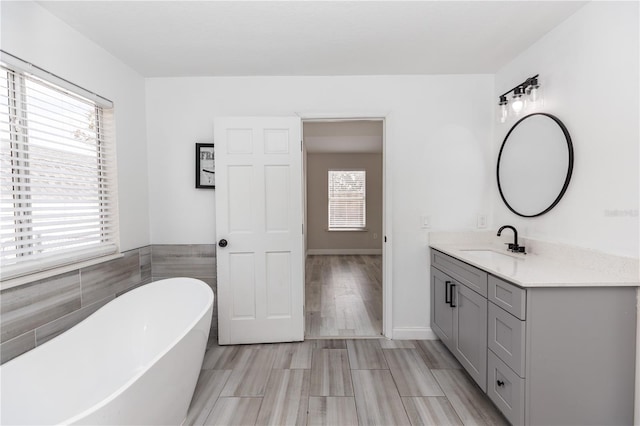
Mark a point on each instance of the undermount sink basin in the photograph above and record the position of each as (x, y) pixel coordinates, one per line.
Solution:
(490, 255)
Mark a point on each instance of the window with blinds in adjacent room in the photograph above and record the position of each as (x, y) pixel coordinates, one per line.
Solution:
(347, 200)
(57, 170)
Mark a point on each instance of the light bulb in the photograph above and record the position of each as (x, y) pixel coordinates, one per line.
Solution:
(534, 93)
(517, 105)
(504, 113)
(518, 102)
(503, 109)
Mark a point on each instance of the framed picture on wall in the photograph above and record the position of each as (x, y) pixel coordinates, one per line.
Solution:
(205, 166)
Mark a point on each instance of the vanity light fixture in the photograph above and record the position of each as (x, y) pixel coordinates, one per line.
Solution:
(524, 95)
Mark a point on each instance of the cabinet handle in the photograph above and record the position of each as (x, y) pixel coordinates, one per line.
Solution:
(500, 383)
(452, 286)
(447, 294)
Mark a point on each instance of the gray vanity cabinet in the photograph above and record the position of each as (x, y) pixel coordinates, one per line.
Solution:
(544, 355)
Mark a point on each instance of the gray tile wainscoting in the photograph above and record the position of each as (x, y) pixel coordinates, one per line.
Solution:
(17, 346)
(106, 279)
(30, 306)
(188, 260)
(34, 313)
(180, 260)
(62, 324)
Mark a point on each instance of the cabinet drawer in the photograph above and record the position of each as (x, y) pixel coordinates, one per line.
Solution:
(505, 389)
(468, 275)
(505, 335)
(509, 297)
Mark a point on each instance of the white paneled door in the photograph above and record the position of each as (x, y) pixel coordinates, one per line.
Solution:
(259, 229)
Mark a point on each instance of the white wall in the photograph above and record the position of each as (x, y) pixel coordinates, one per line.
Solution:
(33, 34)
(320, 240)
(439, 135)
(589, 69)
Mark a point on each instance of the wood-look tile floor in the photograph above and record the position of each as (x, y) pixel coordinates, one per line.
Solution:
(338, 382)
(343, 296)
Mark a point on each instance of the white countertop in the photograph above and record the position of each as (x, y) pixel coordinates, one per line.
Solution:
(536, 270)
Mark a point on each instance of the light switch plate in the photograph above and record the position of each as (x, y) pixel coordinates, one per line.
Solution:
(482, 221)
(425, 221)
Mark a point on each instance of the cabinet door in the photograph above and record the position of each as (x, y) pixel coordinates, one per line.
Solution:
(441, 311)
(470, 333)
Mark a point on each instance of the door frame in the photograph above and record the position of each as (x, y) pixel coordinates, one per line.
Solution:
(387, 119)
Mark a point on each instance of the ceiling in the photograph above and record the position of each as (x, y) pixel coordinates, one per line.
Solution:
(243, 38)
(343, 136)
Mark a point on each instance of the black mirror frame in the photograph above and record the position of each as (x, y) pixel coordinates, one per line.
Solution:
(569, 167)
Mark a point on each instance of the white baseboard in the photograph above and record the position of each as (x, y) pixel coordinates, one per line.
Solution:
(414, 333)
(312, 252)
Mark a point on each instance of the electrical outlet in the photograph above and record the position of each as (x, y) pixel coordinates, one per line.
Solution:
(482, 221)
(425, 221)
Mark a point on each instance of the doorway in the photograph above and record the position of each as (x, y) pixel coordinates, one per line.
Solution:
(344, 238)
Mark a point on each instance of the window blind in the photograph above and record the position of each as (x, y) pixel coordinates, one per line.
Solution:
(347, 199)
(58, 202)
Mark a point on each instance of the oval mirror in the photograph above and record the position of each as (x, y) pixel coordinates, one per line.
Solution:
(535, 164)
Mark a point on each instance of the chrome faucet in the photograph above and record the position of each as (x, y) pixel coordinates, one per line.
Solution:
(514, 247)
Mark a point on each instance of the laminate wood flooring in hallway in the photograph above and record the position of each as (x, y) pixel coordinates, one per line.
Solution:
(338, 382)
(343, 296)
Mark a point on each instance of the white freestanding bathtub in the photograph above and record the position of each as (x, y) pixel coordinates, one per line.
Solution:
(135, 361)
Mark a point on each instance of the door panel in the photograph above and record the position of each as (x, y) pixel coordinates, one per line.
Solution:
(239, 141)
(277, 192)
(242, 274)
(276, 141)
(278, 285)
(259, 212)
(239, 198)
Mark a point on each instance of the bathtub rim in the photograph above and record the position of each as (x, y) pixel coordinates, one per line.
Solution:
(153, 361)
